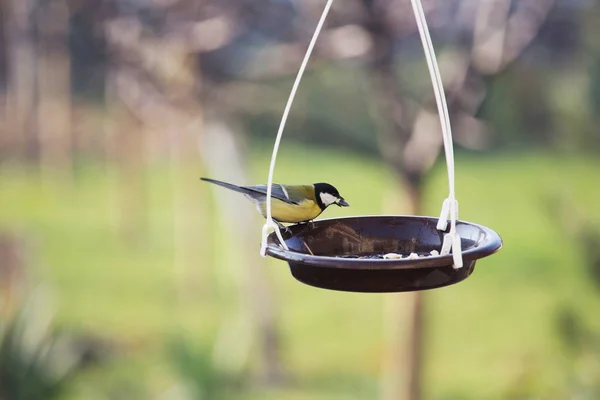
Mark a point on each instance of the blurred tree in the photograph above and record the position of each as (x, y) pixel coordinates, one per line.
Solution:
(13, 273)
(159, 77)
(255, 321)
(4, 140)
(410, 137)
(20, 97)
(3, 56)
(53, 101)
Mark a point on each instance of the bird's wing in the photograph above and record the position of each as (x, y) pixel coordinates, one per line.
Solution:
(287, 194)
(255, 192)
(259, 192)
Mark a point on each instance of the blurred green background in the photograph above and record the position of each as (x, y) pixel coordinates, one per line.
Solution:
(122, 276)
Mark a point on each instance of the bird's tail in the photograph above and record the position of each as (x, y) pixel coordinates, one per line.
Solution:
(227, 185)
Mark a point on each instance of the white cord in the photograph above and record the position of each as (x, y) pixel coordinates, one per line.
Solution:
(450, 205)
(270, 224)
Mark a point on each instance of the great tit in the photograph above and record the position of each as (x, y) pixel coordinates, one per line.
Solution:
(290, 203)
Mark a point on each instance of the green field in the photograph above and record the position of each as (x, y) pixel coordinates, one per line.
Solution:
(487, 337)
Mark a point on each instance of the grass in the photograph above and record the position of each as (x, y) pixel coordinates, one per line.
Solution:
(483, 334)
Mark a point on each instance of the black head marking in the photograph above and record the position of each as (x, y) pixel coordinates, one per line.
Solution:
(324, 188)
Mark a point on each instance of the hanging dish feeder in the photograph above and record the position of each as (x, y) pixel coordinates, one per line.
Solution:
(382, 253)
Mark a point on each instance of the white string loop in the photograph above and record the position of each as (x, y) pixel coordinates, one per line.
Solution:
(267, 227)
(270, 224)
(450, 205)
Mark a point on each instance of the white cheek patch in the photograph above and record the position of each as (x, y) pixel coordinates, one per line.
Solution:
(328, 199)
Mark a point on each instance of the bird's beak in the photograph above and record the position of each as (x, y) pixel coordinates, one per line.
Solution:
(342, 203)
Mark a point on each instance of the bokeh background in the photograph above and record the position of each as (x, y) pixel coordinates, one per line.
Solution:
(122, 276)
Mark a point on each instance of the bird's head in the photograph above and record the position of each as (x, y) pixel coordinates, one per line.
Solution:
(327, 195)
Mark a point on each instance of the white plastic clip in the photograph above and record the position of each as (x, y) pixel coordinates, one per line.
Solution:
(452, 242)
(451, 239)
(449, 208)
(265, 234)
(456, 250)
(443, 221)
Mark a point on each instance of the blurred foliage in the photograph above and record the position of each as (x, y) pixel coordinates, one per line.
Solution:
(582, 377)
(581, 341)
(37, 362)
(590, 244)
(198, 370)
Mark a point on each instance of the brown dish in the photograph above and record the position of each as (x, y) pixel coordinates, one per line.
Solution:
(347, 253)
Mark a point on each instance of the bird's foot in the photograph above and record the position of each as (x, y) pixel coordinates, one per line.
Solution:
(283, 227)
(310, 225)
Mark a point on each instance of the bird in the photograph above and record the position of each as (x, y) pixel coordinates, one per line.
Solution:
(289, 203)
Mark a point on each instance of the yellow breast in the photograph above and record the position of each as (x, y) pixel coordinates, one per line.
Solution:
(284, 212)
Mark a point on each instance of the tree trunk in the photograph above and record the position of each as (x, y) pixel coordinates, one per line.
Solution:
(127, 144)
(13, 273)
(54, 90)
(404, 325)
(415, 303)
(188, 212)
(225, 156)
(404, 318)
(20, 102)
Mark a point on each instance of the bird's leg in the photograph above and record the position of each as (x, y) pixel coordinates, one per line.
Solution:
(307, 225)
(283, 227)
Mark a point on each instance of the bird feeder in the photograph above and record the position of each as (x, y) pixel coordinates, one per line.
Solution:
(382, 253)
(349, 254)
